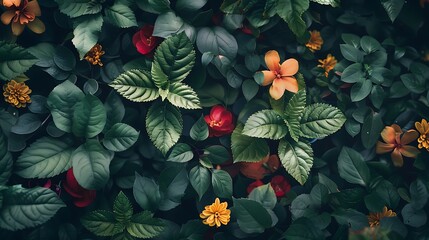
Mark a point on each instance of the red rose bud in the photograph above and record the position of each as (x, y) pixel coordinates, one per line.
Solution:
(144, 41)
(258, 170)
(220, 121)
(81, 197)
(254, 185)
(280, 185)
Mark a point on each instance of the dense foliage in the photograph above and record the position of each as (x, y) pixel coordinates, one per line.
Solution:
(199, 119)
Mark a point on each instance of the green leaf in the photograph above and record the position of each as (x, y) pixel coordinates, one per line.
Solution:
(333, 3)
(200, 179)
(360, 90)
(414, 83)
(293, 113)
(247, 149)
(136, 85)
(122, 208)
(369, 44)
(351, 53)
(303, 229)
(265, 124)
(419, 194)
(14, 60)
(297, 159)
(371, 129)
(291, 12)
(181, 153)
(393, 8)
(76, 8)
(353, 73)
(101, 223)
(265, 195)
(183, 96)
(61, 102)
(6, 161)
(120, 137)
(164, 125)
(146, 192)
(91, 164)
(173, 182)
(167, 24)
(222, 184)
(143, 225)
(250, 88)
(154, 6)
(252, 217)
(320, 120)
(121, 16)
(45, 158)
(352, 167)
(86, 32)
(217, 41)
(89, 117)
(173, 60)
(413, 217)
(351, 218)
(187, 6)
(115, 109)
(216, 154)
(24, 208)
(200, 130)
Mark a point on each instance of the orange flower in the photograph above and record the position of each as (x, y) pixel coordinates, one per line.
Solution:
(216, 214)
(281, 76)
(17, 94)
(396, 141)
(328, 63)
(94, 55)
(374, 218)
(423, 128)
(315, 42)
(21, 13)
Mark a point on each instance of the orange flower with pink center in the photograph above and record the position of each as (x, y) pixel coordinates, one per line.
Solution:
(280, 76)
(21, 14)
(396, 141)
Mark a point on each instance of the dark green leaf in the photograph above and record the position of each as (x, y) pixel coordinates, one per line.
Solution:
(101, 223)
(419, 194)
(393, 7)
(247, 149)
(222, 184)
(200, 130)
(413, 217)
(14, 60)
(252, 217)
(217, 41)
(115, 109)
(89, 117)
(291, 12)
(146, 192)
(216, 154)
(352, 167)
(173, 182)
(360, 90)
(371, 129)
(353, 73)
(189, 6)
(76, 8)
(121, 16)
(352, 218)
(27, 123)
(122, 208)
(369, 44)
(120, 137)
(6, 161)
(182, 152)
(200, 179)
(303, 229)
(265, 124)
(351, 53)
(264, 195)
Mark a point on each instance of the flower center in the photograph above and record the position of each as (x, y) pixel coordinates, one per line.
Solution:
(278, 75)
(216, 214)
(214, 123)
(149, 40)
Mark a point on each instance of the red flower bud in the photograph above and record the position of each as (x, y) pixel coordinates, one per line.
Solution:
(144, 41)
(81, 197)
(254, 185)
(280, 185)
(220, 121)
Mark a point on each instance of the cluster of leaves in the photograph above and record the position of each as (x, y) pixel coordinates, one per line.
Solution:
(136, 126)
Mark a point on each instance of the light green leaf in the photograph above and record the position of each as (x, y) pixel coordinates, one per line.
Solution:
(183, 96)
(200, 130)
(293, 113)
(121, 16)
(167, 24)
(200, 179)
(14, 60)
(164, 125)
(24, 208)
(61, 101)
(352, 167)
(45, 158)
(120, 137)
(291, 12)
(89, 117)
(136, 85)
(76, 8)
(320, 120)
(143, 225)
(333, 3)
(393, 8)
(297, 159)
(252, 217)
(173, 60)
(222, 184)
(182, 152)
(265, 195)
(122, 208)
(6, 161)
(265, 124)
(101, 223)
(247, 149)
(91, 164)
(86, 32)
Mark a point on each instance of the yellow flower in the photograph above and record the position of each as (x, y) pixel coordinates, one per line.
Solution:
(315, 42)
(423, 128)
(216, 214)
(94, 55)
(17, 94)
(328, 63)
(374, 218)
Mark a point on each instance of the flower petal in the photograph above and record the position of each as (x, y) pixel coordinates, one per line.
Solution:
(397, 158)
(384, 147)
(276, 92)
(7, 17)
(9, 3)
(17, 28)
(34, 8)
(289, 67)
(388, 134)
(37, 26)
(397, 128)
(409, 136)
(288, 83)
(269, 77)
(409, 151)
(272, 60)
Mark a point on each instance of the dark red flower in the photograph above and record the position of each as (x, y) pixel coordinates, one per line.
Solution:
(81, 197)
(144, 41)
(254, 185)
(280, 185)
(220, 121)
(258, 170)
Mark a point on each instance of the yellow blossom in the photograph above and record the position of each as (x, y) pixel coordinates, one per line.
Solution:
(374, 218)
(423, 128)
(216, 214)
(315, 42)
(17, 94)
(328, 63)
(94, 55)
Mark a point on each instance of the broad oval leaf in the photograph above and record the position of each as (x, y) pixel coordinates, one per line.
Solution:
(164, 125)
(265, 124)
(120, 137)
(352, 167)
(183, 96)
(91, 164)
(252, 217)
(351, 53)
(265, 195)
(371, 129)
(146, 192)
(121, 16)
(200, 130)
(360, 90)
(86, 32)
(297, 159)
(353, 73)
(182, 152)
(14, 60)
(47, 157)
(143, 225)
(136, 85)
(222, 183)
(217, 41)
(101, 223)
(320, 120)
(247, 149)
(89, 117)
(173, 182)
(24, 208)
(291, 11)
(27, 123)
(200, 179)
(115, 109)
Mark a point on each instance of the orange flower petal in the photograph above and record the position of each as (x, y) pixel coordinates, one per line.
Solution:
(276, 92)
(409, 151)
(34, 8)
(288, 83)
(9, 3)
(272, 60)
(397, 128)
(409, 136)
(384, 147)
(419, 127)
(7, 17)
(388, 134)
(269, 77)
(289, 67)
(397, 158)
(37, 26)
(17, 28)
